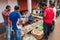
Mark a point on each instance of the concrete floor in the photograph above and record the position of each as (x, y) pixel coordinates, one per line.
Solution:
(55, 35)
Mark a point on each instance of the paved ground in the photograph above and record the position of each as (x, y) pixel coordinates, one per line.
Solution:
(54, 35)
(2, 28)
(2, 31)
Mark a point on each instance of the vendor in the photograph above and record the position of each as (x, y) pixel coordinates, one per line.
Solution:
(25, 14)
(28, 17)
(25, 17)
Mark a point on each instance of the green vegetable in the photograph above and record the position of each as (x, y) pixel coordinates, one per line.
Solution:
(40, 26)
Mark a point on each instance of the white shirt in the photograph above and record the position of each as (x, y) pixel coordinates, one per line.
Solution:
(54, 10)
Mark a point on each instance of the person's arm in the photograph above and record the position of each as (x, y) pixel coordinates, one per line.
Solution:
(9, 20)
(19, 15)
(9, 23)
(20, 19)
(5, 14)
(54, 10)
(45, 13)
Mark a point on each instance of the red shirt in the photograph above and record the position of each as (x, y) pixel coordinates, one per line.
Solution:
(5, 16)
(48, 15)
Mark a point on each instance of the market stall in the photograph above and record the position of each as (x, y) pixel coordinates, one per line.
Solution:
(34, 30)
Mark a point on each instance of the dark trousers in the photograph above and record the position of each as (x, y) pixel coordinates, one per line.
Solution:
(46, 29)
(52, 26)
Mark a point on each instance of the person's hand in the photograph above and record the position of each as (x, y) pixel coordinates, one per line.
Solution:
(54, 20)
(21, 20)
(9, 23)
(18, 24)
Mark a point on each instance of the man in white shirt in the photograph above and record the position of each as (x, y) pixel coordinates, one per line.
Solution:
(54, 20)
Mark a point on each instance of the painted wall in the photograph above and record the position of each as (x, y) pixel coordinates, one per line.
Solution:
(24, 4)
(3, 4)
(34, 4)
(12, 3)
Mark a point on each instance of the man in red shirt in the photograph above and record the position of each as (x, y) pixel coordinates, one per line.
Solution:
(47, 19)
(5, 14)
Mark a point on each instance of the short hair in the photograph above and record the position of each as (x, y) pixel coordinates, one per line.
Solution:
(16, 8)
(42, 4)
(8, 6)
(52, 5)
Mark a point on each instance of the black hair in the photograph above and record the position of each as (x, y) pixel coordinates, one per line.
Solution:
(23, 11)
(42, 4)
(52, 5)
(16, 8)
(7, 7)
